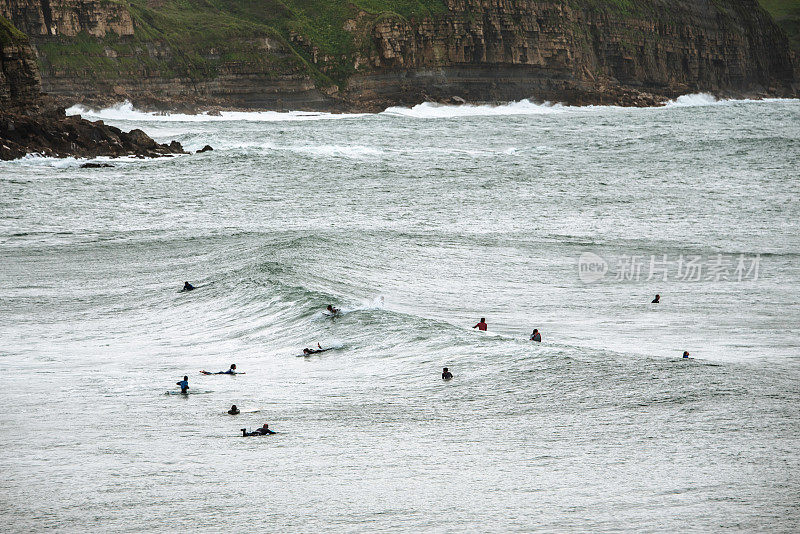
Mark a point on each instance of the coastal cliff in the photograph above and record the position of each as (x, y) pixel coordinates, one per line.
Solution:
(365, 55)
(31, 123)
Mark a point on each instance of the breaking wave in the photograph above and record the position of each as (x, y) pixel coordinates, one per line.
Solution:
(432, 110)
(125, 111)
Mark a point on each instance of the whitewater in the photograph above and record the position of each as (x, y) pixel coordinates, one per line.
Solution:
(416, 222)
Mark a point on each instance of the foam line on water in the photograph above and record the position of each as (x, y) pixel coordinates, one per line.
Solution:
(432, 110)
(125, 111)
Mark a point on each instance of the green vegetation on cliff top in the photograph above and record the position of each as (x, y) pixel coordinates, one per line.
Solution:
(787, 14)
(9, 34)
(199, 38)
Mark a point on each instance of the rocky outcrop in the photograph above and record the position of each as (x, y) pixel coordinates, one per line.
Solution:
(577, 51)
(31, 123)
(55, 135)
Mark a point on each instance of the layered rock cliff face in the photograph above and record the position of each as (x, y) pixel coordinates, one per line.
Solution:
(68, 17)
(511, 49)
(20, 85)
(31, 123)
(284, 54)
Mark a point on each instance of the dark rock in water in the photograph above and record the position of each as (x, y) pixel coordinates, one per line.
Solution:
(30, 123)
(456, 101)
(95, 165)
(53, 134)
(206, 148)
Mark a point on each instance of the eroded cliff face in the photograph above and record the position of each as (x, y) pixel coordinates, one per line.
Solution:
(480, 50)
(20, 85)
(68, 17)
(512, 49)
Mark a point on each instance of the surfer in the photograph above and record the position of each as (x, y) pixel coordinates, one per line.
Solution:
(231, 371)
(187, 286)
(184, 384)
(482, 326)
(234, 410)
(536, 336)
(686, 354)
(446, 374)
(263, 431)
(332, 310)
(307, 351)
(656, 300)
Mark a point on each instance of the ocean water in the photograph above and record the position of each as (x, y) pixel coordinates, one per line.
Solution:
(416, 222)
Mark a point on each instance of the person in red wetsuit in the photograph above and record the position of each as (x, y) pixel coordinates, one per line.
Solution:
(482, 326)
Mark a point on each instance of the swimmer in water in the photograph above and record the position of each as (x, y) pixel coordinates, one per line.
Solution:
(263, 431)
(686, 354)
(184, 384)
(187, 286)
(332, 310)
(234, 410)
(306, 352)
(446, 374)
(536, 336)
(482, 326)
(656, 300)
(231, 371)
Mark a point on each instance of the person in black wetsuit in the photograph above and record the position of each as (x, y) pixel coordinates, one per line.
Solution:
(536, 336)
(231, 371)
(263, 431)
(446, 374)
(234, 410)
(656, 300)
(187, 286)
(306, 352)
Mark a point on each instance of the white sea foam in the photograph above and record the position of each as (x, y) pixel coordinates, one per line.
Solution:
(126, 112)
(39, 160)
(432, 110)
(332, 151)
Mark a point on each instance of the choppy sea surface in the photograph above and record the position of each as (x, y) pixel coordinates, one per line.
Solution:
(416, 223)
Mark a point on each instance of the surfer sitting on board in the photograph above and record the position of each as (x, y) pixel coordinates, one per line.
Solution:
(184, 384)
(314, 351)
(231, 371)
(446, 374)
(263, 431)
(234, 410)
(332, 310)
(187, 286)
(482, 326)
(656, 300)
(536, 336)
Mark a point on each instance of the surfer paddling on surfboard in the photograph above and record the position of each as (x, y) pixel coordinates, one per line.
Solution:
(306, 352)
(231, 371)
(263, 431)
